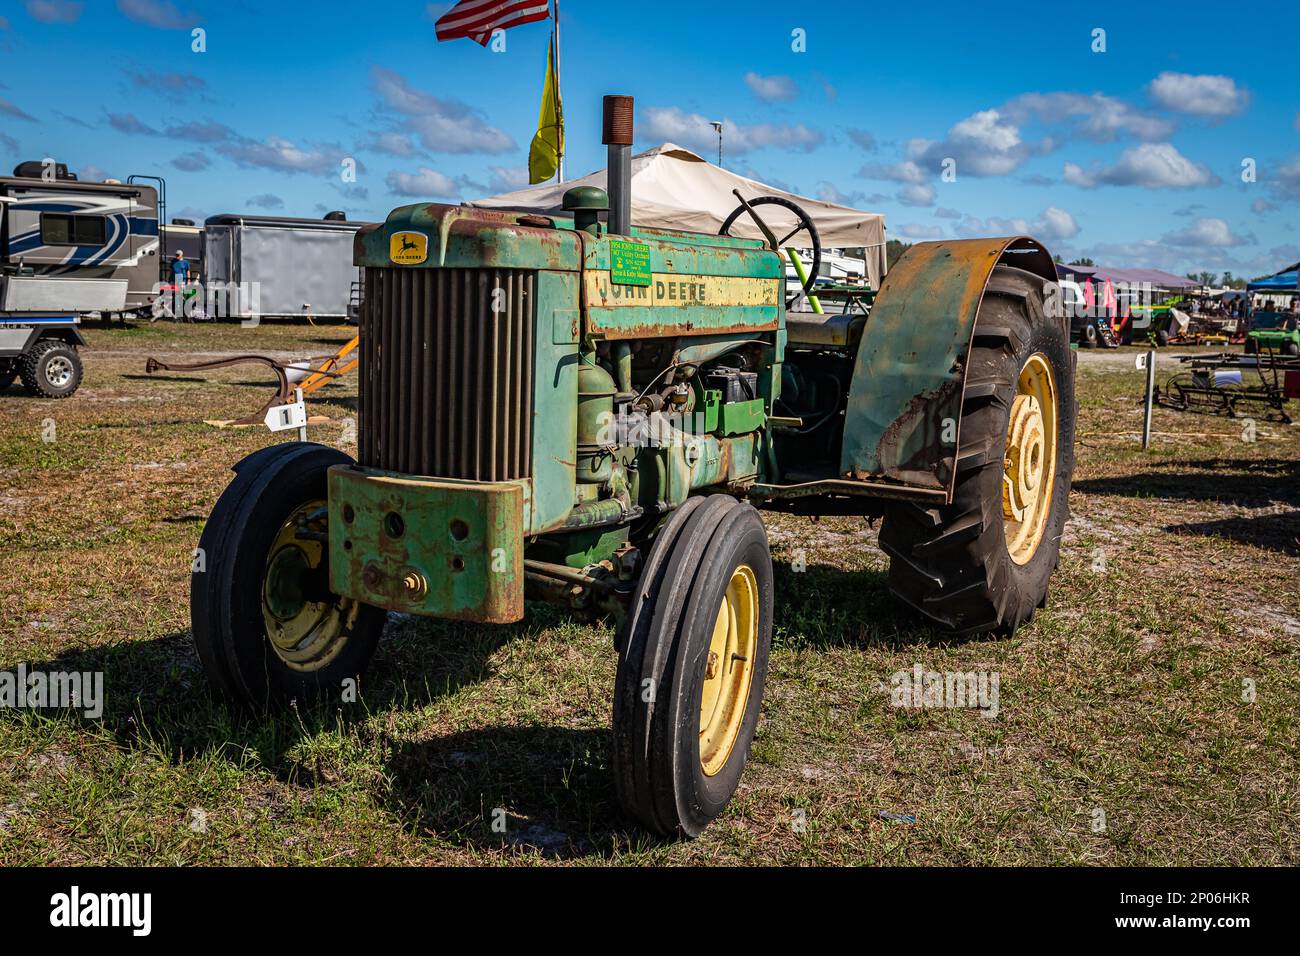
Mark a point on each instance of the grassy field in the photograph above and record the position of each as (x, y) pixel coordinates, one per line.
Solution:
(1179, 585)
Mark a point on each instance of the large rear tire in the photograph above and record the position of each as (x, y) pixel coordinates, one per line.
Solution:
(983, 562)
(692, 665)
(266, 626)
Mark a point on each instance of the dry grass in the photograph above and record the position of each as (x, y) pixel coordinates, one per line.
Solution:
(1178, 581)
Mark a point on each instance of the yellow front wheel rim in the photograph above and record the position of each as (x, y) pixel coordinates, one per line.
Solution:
(306, 629)
(1029, 467)
(729, 670)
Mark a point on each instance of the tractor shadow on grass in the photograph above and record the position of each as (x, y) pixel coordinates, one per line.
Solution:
(553, 785)
(1235, 481)
(532, 790)
(824, 606)
(1244, 483)
(156, 695)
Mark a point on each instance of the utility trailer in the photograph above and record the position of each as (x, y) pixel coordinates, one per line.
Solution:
(594, 414)
(280, 267)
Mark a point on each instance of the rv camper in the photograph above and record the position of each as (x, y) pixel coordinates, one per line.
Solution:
(75, 247)
(276, 267)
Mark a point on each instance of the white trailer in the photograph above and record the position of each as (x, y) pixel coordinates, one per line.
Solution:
(278, 267)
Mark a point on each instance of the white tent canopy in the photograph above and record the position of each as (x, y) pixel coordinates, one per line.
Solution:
(673, 188)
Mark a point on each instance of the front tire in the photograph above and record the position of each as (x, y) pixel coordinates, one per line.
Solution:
(983, 562)
(692, 665)
(266, 626)
(52, 369)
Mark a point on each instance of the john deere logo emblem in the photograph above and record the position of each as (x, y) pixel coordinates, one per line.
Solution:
(408, 248)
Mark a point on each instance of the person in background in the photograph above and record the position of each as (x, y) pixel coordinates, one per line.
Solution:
(180, 269)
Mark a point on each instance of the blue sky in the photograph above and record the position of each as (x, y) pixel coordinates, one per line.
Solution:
(1132, 156)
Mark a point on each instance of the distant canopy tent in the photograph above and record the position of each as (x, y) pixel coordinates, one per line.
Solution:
(1284, 281)
(673, 188)
(1157, 278)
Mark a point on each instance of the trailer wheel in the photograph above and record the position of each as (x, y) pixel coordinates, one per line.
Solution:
(52, 369)
(266, 626)
(692, 665)
(1089, 340)
(983, 563)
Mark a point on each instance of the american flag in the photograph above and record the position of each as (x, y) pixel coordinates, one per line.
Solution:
(477, 19)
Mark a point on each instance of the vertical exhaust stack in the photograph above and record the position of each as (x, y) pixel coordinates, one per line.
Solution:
(617, 135)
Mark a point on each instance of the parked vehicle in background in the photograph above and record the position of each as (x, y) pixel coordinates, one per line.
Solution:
(1273, 331)
(277, 267)
(1088, 328)
(66, 233)
(41, 350)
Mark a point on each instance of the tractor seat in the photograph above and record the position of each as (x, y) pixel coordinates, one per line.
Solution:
(808, 329)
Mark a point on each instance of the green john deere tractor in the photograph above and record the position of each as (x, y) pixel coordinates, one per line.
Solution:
(594, 414)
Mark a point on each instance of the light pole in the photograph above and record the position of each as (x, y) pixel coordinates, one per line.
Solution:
(718, 127)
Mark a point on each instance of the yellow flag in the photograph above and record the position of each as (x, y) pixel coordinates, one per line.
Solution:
(548, 144)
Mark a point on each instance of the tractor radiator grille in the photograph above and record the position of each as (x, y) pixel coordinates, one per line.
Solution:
(446, 386)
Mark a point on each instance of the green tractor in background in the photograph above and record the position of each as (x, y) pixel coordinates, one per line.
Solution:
(593, 414)
(1272, 332)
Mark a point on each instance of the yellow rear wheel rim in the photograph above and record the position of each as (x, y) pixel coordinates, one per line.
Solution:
(305, 634)
(729, 670)
(1029, 467)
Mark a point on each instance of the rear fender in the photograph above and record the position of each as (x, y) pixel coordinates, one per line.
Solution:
(904, 409)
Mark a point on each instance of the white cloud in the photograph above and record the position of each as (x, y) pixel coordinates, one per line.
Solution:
(267, 201)
(201, 131)
(1200, 95)
(425, 183)
(863, 139)
(1154, 165)
(508, 178)
(671, 124)
(192, 162)
(1052, 225)
(1094, 116)
(829, 192)
(441, 125)
(916, 230)
(283, 155)
(1287, 180)
(904, 172)
(157, 13)
(1205, 234)
(55, 11)
(986, 143)
(1262, 206)
(176, 86)
(392, 144)
(916, 195)
(771, 88)
(943, 212)
(130, 124)
(11, 109)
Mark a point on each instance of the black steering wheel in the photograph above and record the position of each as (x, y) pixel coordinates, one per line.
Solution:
(803, 223)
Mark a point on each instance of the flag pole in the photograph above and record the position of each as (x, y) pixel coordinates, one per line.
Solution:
(559, 99)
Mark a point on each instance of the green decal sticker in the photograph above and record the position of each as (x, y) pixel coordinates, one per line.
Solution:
(629, 263)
